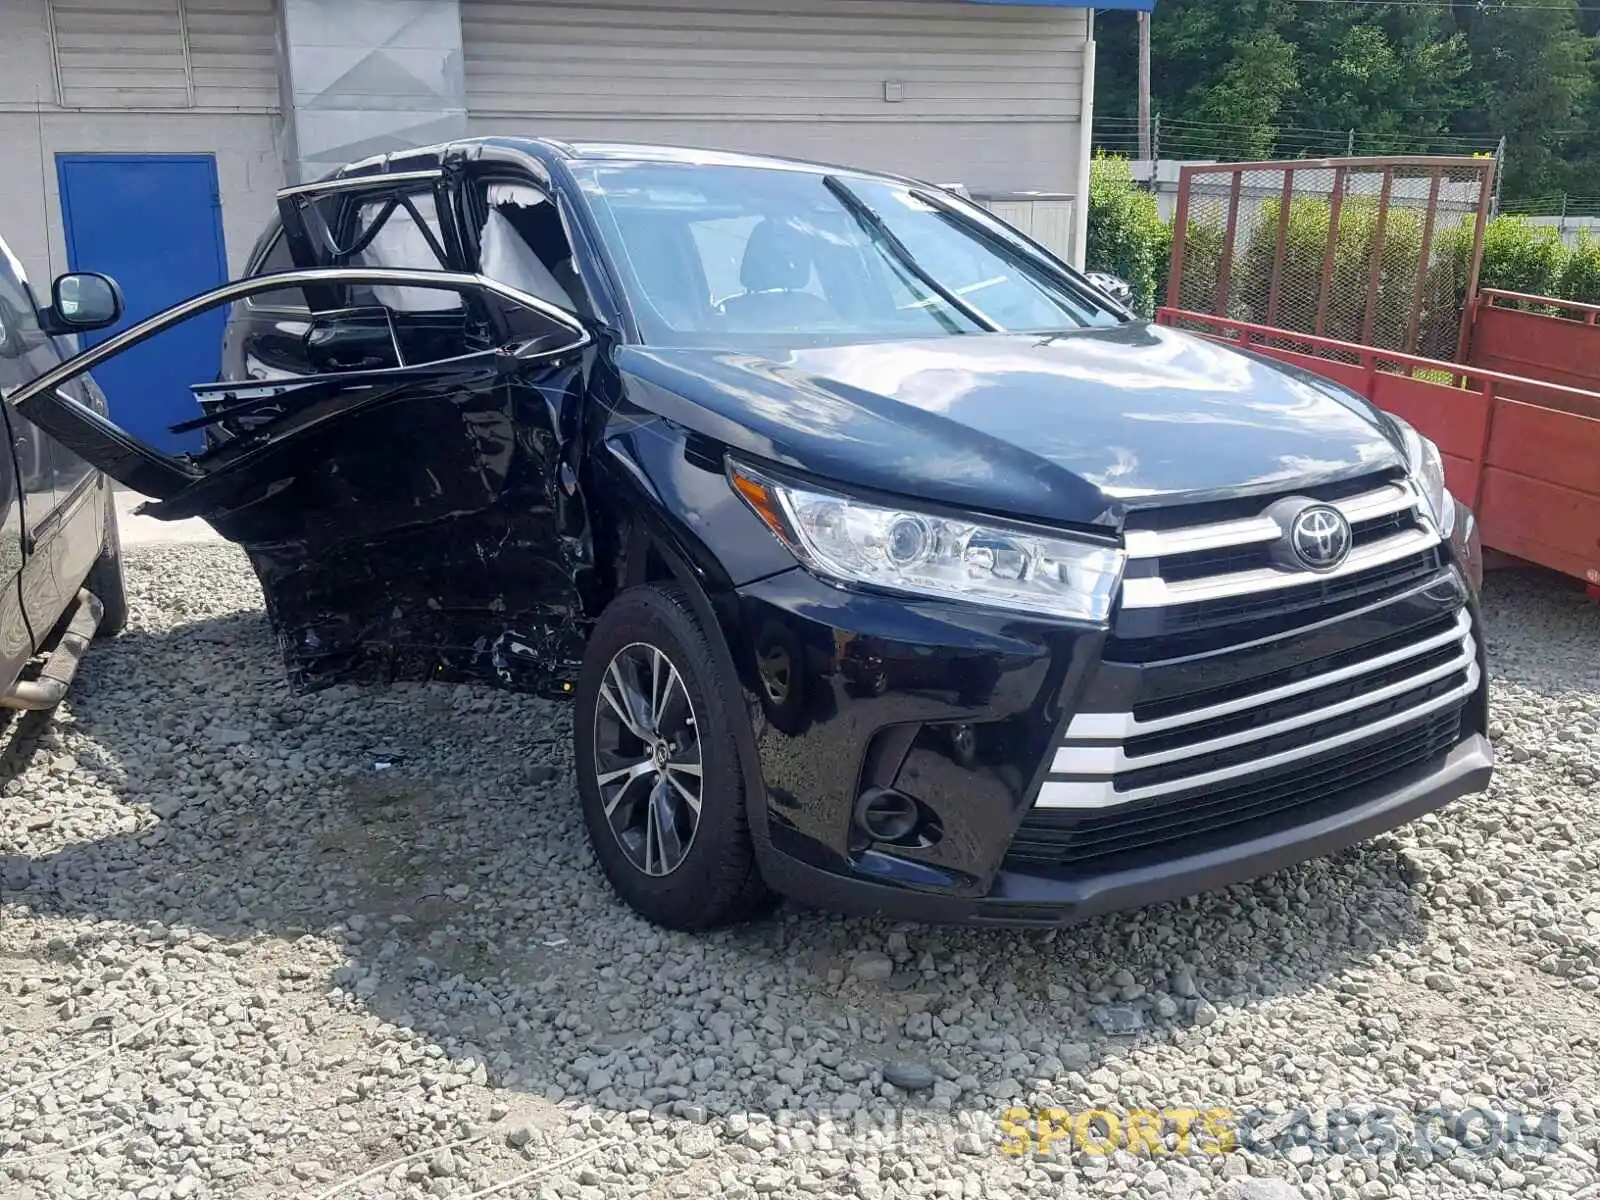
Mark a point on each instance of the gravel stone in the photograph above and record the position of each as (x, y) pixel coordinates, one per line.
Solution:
(872, 966)
(1075, 1056)
(309, 966)
(909, 1076)
(1262, 1189)
(1118, 1020)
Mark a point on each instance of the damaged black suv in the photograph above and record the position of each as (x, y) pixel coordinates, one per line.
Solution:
(889, 563)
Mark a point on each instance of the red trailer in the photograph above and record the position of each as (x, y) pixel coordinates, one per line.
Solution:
(1512, 400)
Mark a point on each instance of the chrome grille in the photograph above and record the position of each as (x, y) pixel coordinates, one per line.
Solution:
(1209, 739)
(1214, 584)
(1389, 514)
(1086, 840)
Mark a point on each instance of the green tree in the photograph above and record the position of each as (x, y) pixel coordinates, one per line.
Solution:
(1248, 95)
(1393, 74)
(1533, 72)
(1275, 78)
(1126, 234)
(1223, 65)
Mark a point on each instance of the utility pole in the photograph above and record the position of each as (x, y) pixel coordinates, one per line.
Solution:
(1144, 87)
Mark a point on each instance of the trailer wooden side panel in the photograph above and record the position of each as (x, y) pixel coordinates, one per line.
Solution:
(1558, 343)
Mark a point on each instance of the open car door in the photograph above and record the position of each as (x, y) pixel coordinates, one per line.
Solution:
(411, 508)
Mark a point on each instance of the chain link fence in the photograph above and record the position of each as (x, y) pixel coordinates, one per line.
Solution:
(1382, 252)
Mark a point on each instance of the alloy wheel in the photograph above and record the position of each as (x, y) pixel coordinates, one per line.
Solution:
(647, 758)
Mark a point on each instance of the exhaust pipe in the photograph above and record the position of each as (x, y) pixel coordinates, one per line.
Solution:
(46, 691)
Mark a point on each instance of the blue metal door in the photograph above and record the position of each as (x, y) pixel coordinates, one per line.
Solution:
(153, 223)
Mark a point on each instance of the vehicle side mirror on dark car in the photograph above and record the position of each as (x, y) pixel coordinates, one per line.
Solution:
(82, 301)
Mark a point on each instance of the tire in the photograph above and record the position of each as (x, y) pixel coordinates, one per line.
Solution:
(105, 577)
(690, 875)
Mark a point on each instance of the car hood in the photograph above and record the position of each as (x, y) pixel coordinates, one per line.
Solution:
(1073, 428)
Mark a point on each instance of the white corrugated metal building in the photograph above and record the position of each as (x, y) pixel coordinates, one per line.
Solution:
(102, 100)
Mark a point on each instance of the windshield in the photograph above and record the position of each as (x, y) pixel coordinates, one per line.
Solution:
(721, 255)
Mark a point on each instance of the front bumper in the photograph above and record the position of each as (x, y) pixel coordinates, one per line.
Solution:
(1035, 901)
(963, 713)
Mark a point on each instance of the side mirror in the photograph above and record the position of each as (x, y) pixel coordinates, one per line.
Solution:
(82, 301)
(1118, 289)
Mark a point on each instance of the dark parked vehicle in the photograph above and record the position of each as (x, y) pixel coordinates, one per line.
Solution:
(889, 564)
(59, 564)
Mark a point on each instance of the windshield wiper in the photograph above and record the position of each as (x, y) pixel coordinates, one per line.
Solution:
(879, 230)
(950, 212)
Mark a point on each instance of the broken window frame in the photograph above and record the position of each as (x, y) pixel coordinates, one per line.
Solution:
(158, 474)
(315, 243)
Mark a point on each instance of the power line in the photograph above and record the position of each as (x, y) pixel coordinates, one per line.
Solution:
(1485, 6)
(1181, 125)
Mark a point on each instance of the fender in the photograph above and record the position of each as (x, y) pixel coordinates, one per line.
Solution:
(651, 526)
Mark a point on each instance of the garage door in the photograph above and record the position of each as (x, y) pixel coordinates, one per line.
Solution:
(942, 89)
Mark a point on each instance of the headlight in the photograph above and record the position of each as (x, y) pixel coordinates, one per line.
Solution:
(1427, 470)
(850, 541)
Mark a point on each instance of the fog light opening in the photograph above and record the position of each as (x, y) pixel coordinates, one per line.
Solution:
(885, 815)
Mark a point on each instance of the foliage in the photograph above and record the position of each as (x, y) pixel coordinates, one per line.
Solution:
(1533, 79)
(1247, 79)
(1580, 274)
(1521, 257)
(1128, 239)
(1202, 266)
(1362, 265)
(1126, 235)
(1249, 92)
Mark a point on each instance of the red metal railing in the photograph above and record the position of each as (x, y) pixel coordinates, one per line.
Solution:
(1367, 358)
(1587, 314)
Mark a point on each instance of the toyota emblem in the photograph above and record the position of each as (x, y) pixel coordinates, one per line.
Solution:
(1320, 537)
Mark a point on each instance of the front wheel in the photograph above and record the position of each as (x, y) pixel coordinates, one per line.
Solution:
(659, 777)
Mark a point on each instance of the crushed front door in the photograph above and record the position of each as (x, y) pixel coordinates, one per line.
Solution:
(416, 520)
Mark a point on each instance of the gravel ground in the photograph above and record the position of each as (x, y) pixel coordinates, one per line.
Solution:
(353, 945)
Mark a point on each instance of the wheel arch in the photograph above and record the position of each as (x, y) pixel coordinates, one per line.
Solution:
(640, 530)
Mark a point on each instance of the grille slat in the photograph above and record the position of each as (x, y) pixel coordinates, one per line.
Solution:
(1173, 709)
(1345, 723)
(1110, 788)
(1193, 824)
(1157, 634)
(1199, 588)
(1173, 812)
(1227, 560)
(1218, 762)
(1294, 706)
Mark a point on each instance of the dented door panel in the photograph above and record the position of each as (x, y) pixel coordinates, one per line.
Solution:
(446, 548)
(419, 522)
